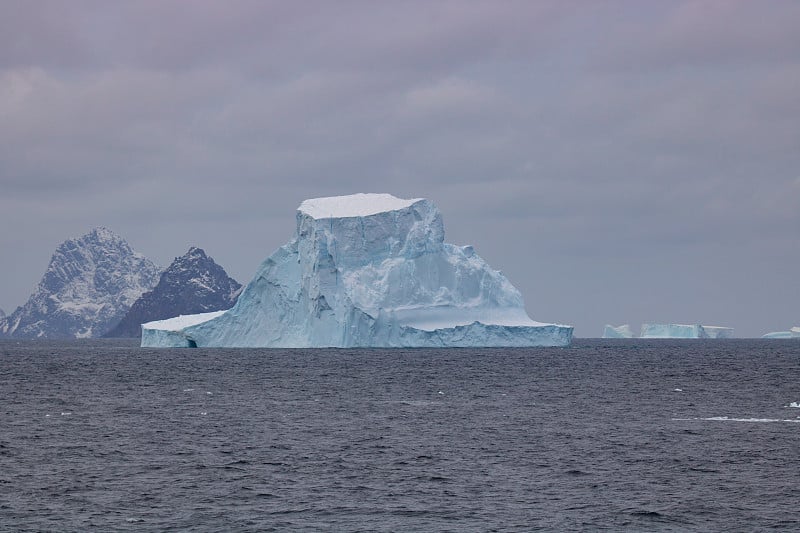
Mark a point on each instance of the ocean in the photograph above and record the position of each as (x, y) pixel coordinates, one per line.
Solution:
(606, 435)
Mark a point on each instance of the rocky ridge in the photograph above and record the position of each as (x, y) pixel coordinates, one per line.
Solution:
(89, 285)
(193, 283)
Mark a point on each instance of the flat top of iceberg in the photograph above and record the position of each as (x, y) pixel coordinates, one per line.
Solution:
(353, 205)
(182, 321)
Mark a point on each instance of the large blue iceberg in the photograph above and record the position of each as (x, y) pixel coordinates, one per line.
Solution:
(367, 270)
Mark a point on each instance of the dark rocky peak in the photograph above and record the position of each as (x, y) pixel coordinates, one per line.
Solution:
(193, 283)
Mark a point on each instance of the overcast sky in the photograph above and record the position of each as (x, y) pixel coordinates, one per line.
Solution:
(620, 162)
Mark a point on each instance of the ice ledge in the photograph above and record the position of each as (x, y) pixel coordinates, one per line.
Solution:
(446, 317)
(481, 335)
(182, 321)
(354, 205)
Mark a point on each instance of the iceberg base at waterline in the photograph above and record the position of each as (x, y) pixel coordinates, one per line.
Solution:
(367, 270)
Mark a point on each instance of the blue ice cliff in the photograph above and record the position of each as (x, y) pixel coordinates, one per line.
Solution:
(367, 270)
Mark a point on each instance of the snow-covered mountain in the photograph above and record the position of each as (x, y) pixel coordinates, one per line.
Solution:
(89, 285)
(192, 284)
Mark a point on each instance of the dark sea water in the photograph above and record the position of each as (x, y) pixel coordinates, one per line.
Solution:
(619, 435)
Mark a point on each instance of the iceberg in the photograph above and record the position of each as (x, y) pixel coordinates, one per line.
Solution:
(718, 332)
(168, 333)
(778, 335)
(671, 331)
(684, 331)
(367, 270)
(617, 332)
(793, 333)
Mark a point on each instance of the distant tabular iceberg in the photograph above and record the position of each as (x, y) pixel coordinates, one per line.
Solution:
(684, 331)
(718, 332)
(793, 333)
(617, 332)
(367, 270)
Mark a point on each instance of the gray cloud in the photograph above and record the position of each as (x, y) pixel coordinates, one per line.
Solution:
(620, 161)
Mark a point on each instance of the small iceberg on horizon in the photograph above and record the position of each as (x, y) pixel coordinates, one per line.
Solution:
(668, 331)
(684, 331)
(793, 333)
(617, 332)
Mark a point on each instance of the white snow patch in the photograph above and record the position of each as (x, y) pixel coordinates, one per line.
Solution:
(182, 321)
(80, 307)
(354, 205)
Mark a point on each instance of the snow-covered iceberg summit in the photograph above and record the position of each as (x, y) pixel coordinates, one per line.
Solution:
(617, 332)
(684, 331)
(367, 270)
